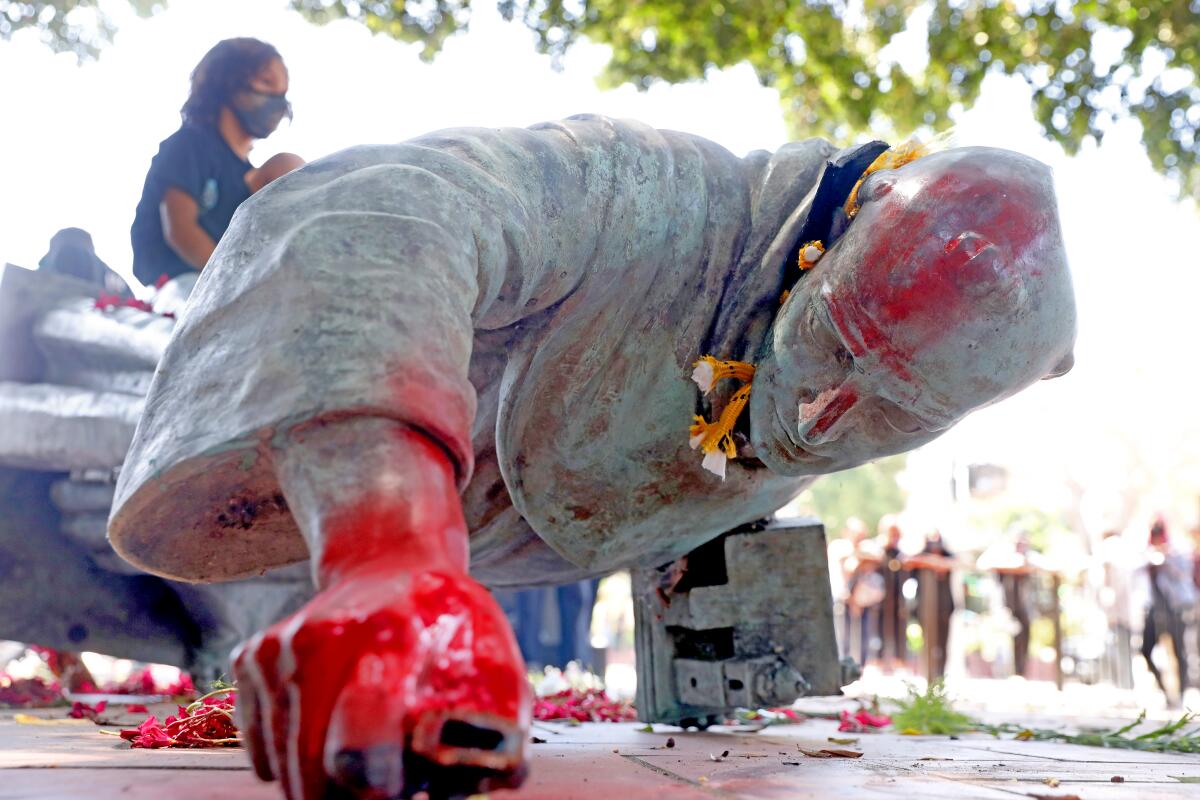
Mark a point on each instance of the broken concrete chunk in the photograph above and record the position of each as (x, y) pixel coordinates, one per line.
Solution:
(62, 428)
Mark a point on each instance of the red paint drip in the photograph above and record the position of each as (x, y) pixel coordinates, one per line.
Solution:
(422, 529)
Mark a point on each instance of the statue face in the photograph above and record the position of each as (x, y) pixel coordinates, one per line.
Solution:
(947, 292)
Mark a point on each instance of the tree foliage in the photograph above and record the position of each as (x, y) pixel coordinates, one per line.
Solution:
(867, 492)
(1040, 526)
(81, 27)
(834, 62)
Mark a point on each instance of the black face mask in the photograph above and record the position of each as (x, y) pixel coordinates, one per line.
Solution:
(261, 120)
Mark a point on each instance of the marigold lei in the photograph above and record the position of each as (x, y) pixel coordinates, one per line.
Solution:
(715, 439)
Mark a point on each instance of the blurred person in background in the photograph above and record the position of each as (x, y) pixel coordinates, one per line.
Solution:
(893, 610)
(1116, 560)
(1014, 566)
(202, 172)
(864, 595)
(72, 254)
(1195, 533)
(1192, 619)
(934, 567)
(842, 563)
(1168, 592)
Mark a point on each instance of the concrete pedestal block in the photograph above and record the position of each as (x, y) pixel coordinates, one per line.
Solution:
(744, 621)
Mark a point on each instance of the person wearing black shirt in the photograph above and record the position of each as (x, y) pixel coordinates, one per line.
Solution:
(935, 599)
(893, 612)
(1169, 594)
(201, 173)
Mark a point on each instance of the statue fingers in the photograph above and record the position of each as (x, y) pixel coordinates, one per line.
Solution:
(251, 697)
(365, 741)
(470, 713)
(273, 706)
(315, 669)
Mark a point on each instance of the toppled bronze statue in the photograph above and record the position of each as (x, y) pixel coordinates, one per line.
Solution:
(480, 341)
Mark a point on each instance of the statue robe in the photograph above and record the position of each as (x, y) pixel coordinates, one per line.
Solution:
(532, 299)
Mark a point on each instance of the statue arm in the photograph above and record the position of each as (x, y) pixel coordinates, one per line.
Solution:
(355, 287)
(367, 274)
(399, 263)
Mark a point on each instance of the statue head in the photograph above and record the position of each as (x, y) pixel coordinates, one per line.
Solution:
(948, 292)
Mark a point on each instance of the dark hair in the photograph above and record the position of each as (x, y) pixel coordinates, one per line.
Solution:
(224, 71)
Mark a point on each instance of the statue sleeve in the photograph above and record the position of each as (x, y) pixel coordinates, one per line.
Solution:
(356, 285)
(359, 285)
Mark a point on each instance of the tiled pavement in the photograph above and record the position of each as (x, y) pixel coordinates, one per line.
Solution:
(71, 759)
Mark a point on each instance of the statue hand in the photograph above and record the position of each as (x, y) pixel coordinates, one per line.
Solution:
(387, 683)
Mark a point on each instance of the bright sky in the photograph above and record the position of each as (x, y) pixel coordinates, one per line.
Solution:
(75, 143)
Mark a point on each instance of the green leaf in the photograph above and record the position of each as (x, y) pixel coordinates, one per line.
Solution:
(931, 712)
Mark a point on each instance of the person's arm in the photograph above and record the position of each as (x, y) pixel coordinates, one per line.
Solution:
(931, 561)
(181, 227)
(274, 167)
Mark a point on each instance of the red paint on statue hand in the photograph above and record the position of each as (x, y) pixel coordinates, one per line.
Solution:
(417, 529)
(401, 661)
(374, 666)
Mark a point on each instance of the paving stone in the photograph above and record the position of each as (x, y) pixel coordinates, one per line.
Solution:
(69, 760)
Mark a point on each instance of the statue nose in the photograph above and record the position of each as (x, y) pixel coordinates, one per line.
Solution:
(822, 420)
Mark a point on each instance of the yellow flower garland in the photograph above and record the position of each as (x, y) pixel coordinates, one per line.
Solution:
(715, 439)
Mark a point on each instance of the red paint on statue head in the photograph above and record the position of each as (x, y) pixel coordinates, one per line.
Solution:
(930, 258)
(863, 337)
(907, 281)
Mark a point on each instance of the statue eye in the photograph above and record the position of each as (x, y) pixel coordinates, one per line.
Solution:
(823, 335)
(899, 419)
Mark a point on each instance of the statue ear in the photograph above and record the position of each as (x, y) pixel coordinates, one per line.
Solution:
(1062, 367)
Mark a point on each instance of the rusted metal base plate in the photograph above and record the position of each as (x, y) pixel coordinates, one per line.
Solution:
(744, 621)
